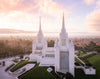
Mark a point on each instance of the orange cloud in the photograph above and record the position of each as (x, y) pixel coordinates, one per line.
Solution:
(32, 6)
(89, 2)
(23, 14)
(8, 5)
(93, 20)
(98, 4)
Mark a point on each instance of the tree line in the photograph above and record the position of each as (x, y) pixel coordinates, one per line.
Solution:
(88, 48)
(17, 47)
(14, 47)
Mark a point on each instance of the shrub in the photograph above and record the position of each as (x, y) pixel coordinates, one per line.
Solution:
(19, 65)
(9, 67)
(3, 63)
(69, 76)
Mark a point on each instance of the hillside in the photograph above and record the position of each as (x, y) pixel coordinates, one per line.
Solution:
(12, 31)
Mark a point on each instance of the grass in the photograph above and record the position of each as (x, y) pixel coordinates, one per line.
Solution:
(19, 65)
(37, 73)
(27, 58)
(79, 74)
(32, 62)
(9, 67)
(80, 54)
(95, 61)
(85, 59)
(79, 61)
(88, 56)
(41, 72)
(15, 60)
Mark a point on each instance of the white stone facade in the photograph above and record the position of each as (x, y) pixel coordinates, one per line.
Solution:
(61, 55)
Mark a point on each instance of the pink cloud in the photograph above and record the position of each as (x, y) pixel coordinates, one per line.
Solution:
(23, 14)
(98, 4)
(93, 20)
(21, 10)
(32, 6)
(7, 5)
(89, 2)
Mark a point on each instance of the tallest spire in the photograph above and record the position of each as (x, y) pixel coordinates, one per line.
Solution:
(63, 24)
(40, 30)
(40, 25)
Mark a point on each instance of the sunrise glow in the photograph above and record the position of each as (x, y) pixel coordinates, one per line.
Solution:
(80, 15)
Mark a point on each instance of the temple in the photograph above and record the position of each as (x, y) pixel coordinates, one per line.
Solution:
(61, 56)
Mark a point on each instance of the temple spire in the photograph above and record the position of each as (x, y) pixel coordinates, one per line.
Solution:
(63, 24)
(40, 30)
(40, 24)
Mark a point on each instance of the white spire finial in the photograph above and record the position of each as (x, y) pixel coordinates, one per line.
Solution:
(40, 24)
(40, 30)
(63, 24)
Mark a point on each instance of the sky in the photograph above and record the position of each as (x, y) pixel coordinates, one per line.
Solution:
(80, 15)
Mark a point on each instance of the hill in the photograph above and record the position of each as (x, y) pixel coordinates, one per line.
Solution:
(12, 31)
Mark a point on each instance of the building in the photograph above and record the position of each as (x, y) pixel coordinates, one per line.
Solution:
(61, 55)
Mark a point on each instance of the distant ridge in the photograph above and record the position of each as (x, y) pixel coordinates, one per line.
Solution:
(13, 31)
(71, 34)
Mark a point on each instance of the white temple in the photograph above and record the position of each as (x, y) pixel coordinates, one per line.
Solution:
(61, 55)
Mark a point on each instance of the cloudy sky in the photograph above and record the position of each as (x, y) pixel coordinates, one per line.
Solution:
(80, 15)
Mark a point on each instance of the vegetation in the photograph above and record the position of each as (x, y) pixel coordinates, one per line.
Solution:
(10, 47)
(79, 53)
(66, 75)
(9, 67)
(79, 74)
(78, 61)
(69, 76)
(88, 48)
(51, 43)
(95, 61)
(3, 63)
(32, 62)
(21, 57)
(86, 57)
(27, 58)
(19, 65)
(53, 73)
(37, 73)
(17, 46)
(15, 60)
(13, 46)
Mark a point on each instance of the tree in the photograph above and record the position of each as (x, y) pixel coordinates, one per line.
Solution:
(21, 57)
(51, 43)
(69, 76)
(3, 63)
(97, 48)
(92, 43)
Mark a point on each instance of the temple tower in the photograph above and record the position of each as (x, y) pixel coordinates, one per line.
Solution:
(64, 52)
(39, 42)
